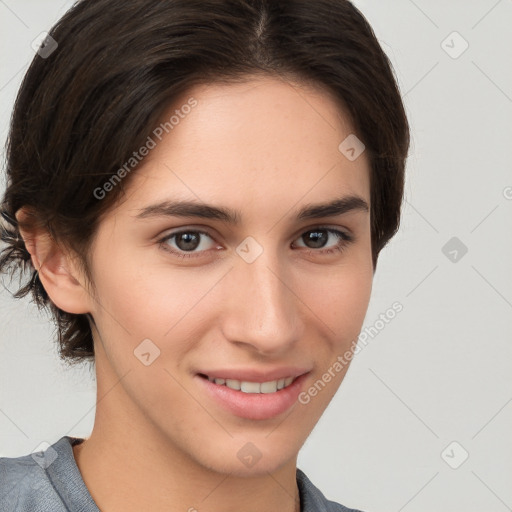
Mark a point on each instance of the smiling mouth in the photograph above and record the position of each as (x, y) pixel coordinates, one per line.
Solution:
(272, 386)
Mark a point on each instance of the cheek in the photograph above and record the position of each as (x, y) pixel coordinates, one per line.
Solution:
(139, 299)
(341, 306)
(339, 298)
(126, 291)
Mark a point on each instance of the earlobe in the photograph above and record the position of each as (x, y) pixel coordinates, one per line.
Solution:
(57, 269)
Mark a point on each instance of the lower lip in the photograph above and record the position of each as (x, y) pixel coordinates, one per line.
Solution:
(254, 406)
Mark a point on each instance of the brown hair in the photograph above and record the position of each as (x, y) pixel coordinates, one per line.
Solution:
(87, 104)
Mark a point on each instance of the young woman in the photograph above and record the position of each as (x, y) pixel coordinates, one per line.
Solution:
(200, 191)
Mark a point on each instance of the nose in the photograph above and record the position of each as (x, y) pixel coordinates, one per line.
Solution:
(261, 309)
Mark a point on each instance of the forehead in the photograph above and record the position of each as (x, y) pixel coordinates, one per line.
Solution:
(261, 110)
(262, 141)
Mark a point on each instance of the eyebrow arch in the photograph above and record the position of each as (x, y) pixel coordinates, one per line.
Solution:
(333, 208)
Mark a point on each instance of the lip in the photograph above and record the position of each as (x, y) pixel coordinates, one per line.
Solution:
(253, 406)
(252, 375)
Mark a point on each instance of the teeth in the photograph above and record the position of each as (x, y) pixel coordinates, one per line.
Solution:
(250, 387)
(233, 384)
(269, 387)
(253, 387)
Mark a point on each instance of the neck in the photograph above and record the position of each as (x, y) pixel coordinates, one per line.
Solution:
(123, 475)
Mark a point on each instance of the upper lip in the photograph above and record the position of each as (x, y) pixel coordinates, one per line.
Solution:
(253, 375)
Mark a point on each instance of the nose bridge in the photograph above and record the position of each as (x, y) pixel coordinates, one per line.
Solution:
(264, 312)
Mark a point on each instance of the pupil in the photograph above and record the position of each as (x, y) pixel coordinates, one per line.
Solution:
(319, 238)
(191, 241)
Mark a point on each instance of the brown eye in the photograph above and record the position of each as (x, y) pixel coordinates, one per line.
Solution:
(319, 237)
(185, 242)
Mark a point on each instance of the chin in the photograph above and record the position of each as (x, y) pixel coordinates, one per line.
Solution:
(245, 459)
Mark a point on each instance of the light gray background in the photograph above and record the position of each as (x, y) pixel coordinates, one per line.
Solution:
(441, 370)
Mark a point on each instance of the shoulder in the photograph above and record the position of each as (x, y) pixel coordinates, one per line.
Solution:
(312, 499)
(31, 482)
(24, 485)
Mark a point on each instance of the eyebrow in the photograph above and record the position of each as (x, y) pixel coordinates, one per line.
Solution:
(332, 208)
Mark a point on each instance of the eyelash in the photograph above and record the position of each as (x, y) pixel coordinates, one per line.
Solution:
(344, 238)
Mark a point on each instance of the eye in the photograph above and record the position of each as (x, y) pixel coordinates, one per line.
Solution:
(318, 237)
(189, 243)
(184, 243)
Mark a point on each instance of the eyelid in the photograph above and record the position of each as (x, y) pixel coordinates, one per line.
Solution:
(328, 227)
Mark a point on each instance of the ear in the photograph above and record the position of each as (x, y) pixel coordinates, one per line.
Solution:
(57, 267)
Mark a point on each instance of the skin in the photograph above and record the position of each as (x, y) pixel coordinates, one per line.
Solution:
(265, 148)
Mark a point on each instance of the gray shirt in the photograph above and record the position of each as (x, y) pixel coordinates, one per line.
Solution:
(50, 481)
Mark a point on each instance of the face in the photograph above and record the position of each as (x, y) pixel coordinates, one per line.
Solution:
(247, 281)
